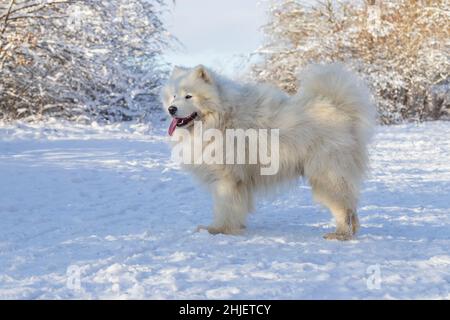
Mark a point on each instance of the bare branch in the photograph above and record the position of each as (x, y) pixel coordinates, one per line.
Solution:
(11, 4)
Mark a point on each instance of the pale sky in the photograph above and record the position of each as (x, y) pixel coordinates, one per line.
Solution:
(216, 33)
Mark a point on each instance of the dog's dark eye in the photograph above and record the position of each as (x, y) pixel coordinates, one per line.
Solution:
(188, 96)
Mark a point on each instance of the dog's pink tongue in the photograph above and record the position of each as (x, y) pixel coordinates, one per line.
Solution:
(173, 126)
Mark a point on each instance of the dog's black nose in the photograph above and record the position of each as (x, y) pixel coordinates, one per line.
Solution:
(172, 110)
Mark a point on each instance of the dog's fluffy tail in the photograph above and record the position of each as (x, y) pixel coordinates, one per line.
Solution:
(345, 90)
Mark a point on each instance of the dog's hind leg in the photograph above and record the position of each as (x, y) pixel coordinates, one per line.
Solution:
(343, 224)
(341, 205)
(355, 222)
(232, 203)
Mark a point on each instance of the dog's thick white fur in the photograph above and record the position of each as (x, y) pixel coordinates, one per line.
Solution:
(324, 132)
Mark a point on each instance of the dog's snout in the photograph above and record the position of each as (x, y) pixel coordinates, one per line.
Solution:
(172, 110)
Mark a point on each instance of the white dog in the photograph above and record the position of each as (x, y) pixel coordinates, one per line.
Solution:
(323, 135)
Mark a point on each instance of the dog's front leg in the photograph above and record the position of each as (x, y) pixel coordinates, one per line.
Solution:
(232, 203)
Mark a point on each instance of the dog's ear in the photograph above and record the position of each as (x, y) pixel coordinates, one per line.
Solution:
(177, 71)
(202, 73)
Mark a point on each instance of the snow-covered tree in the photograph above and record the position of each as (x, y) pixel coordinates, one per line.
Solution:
(80, 59)
(400, 46)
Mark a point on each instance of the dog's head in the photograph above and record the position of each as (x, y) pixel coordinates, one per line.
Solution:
(190, 94)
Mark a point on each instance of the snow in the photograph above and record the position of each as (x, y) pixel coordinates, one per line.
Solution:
(102, 212)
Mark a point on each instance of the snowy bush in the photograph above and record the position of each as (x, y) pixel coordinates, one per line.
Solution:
(80, 59)
(399, 46)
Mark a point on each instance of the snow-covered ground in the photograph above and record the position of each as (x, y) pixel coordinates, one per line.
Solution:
(107, 204)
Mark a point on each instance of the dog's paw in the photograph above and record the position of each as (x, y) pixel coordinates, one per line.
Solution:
(220, 230)
(338, 236)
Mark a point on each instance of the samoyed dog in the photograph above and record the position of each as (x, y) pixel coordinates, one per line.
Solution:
(323, 132)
